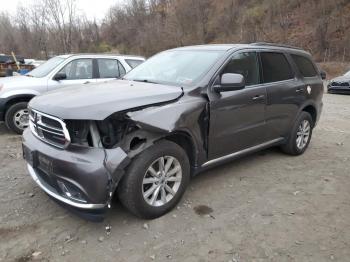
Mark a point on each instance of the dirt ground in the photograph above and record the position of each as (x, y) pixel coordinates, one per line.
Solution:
(264, 207)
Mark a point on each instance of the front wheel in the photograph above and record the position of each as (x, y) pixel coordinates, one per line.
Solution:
(17, 117)
(155, 181)
(300, 135)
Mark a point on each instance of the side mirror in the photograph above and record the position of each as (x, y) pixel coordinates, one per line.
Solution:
(230, 82)
(60, 76)
(323, 75)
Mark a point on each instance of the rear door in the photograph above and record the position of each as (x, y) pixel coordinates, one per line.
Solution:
(283, 93)
(109, 69)
(312, 82)
(237, 118)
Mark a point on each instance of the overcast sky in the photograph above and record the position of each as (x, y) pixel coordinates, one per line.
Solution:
(92, 8)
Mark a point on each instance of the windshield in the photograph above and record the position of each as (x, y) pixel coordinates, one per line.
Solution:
(45, 68)
(347, 74)
(176, 67)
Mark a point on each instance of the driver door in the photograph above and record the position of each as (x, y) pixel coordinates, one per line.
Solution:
(237, 118)
(78, 71)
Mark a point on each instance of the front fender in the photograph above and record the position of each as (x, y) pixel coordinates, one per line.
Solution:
(5, 101)
(185, 117)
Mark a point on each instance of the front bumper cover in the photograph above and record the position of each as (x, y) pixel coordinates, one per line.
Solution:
(56, 195)
(2, 108)
(338, 89)
(81, 177)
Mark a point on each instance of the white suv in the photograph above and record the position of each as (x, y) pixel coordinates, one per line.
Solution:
(58, 72)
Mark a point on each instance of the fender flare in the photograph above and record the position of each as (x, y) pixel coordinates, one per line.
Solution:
(20, 93)
(303, 106)
(21, 98)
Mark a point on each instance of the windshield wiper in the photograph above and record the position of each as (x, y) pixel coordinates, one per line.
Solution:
(29, 75)
(145, 81)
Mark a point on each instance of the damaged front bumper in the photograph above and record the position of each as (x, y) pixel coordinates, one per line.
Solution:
(81, 177)
(51, 191)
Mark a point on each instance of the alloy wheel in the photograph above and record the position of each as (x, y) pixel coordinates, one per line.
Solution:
(303, 134)
(161, 181)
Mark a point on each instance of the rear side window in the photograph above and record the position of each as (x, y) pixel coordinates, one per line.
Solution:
(304, 65)
(110, 68)
(275, 67)
(133, 62)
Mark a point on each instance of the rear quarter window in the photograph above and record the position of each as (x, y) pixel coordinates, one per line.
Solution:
(275, 67)
(305, 66)
(133, 62)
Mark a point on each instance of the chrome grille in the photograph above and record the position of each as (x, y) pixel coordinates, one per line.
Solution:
(344, 84)
(49, 129)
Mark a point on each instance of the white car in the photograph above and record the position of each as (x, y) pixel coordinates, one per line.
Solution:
(58, 72)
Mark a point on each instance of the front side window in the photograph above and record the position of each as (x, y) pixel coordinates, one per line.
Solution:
(110, 68)
(304, 65)
(175, 67)
(245, 64)
(275, 67)
(78, 69)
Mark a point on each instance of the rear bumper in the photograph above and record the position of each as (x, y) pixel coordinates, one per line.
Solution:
(79, 177)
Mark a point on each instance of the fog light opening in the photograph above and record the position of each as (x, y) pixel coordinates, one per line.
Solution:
(71, 192)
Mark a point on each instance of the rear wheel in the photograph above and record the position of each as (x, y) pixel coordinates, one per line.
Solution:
(300, 135)
(17, 117)
(155, 181)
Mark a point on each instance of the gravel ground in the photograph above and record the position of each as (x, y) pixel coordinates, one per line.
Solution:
(264, 207)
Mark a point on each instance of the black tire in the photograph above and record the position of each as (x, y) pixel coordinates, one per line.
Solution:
(130, 188)
(9, 116)
(291, 147)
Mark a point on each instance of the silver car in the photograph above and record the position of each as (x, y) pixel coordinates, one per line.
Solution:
(340, 84)
(58, 72)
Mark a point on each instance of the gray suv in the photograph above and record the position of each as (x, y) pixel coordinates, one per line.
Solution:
(180, 112)
(58, 72)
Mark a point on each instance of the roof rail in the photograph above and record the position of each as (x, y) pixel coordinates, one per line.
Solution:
(278, 45)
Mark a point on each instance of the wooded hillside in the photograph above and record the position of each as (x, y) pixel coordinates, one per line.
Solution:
(147, 26)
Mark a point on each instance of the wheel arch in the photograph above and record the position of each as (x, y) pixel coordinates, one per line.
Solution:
(16, 99)
(185, 141)
(311, 109)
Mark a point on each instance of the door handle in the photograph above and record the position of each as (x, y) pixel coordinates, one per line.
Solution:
(87, 82)
(258, 97)
(299, 90)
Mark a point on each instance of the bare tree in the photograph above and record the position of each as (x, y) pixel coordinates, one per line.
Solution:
(61, 21)
(49, 27)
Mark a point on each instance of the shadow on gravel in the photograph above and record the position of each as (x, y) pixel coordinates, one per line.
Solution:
(4, 130)
(118, 214)
(232, 165)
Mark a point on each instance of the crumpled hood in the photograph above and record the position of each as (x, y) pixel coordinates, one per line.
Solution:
(341, 79)
(100, 100)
